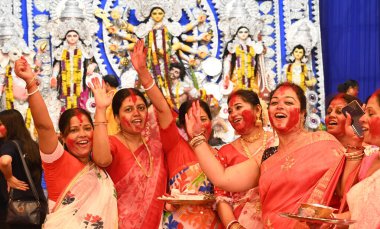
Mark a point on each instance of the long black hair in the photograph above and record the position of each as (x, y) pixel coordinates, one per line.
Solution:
(16, 130)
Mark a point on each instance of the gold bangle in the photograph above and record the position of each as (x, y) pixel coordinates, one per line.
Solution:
(32, 93)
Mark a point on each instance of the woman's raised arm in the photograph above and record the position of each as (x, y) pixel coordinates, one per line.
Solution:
(138, 58)
(236, 178)
(47, 137)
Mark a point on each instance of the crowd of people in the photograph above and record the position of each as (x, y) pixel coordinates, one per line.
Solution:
(102, 177)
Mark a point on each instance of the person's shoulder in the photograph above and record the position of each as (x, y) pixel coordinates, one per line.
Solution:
(323, 136)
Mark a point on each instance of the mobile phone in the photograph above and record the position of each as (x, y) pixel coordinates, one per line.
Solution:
(356, 111)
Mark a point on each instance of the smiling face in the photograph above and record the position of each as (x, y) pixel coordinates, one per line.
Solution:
(285, 111)
(370, 122)
(174, 73)
(242, 115)
(72, 37)
(335, 119)
(243, 33)
(79, 137)
(157, 15)
(133, 114)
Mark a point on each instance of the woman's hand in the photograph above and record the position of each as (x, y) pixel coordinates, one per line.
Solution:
(355, 140)
(14, 183)
(23, 70)
(193, 120)
(138, 56)
(102, 98)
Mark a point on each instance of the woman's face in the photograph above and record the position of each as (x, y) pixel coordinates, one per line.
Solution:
(335, 119)
(243, 34)
(3, 130)
(157, 15)
(133, 114)
(354, 91)
(206, 123)
(79, 138)
(298, 54)
(242, 115)
(371, 122)
(72, 38)
(285, 111)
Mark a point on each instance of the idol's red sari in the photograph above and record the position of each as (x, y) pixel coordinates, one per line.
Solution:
(307, 171)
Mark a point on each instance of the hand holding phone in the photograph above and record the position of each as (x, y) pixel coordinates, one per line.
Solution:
(356, 112)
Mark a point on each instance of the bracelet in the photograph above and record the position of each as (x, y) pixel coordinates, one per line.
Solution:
(196, 141)
(230, 223)
(31, 83)
(354, 147)
(32, 93)
(354, 153)
(355, 157)
(100, 123)
(150, 87)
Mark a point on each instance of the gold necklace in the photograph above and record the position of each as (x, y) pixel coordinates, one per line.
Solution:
(246, 149)
(251, 139)
(146, 173)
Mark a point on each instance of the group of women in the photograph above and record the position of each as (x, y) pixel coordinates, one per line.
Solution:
(114, 181)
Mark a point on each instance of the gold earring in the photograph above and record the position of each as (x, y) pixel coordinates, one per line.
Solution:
(258, 122)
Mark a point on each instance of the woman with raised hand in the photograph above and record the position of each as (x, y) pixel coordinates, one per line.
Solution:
(363, 198)
(245, 116)
(305, 167)
(185, 174)
(79, 192)
(134, 162)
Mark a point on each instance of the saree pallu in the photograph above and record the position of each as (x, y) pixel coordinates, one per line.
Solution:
(191, 179)
(89, 201)
(307, 171)
(138, 205)
(246, 205)
(364, 202)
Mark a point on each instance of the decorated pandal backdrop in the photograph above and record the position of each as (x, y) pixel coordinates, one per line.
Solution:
(222, 44)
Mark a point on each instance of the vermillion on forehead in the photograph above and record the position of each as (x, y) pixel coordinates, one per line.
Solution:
(282, 90)
(133, 95)
(79, 116)
(233, 99)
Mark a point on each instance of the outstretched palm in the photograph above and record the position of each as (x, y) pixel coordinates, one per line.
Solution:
(193, 120)
(102, 98)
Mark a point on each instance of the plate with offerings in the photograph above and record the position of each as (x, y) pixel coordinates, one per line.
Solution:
(188, 198)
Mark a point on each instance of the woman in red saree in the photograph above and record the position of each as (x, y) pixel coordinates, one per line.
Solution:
(80, 193)
(363, 198)
(185, 174)
(134, 162)
(305, 167)
(245, 116)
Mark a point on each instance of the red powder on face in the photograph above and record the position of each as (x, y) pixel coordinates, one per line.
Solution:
(248, 122)
(126, 122)
(232, 100)
(133, 96)
(208, 129)
(79, 116)
(70, 143)
(374, 126)
(3, 130)
(282, 90)
(294, 118)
